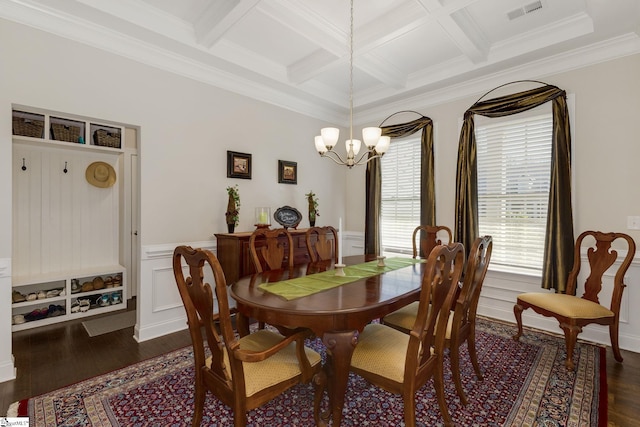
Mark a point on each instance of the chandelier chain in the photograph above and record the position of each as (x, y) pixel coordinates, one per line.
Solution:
(351, 75)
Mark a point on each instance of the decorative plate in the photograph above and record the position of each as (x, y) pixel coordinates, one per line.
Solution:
(288, 217)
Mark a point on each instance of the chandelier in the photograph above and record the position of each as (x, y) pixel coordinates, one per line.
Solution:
(376, 144)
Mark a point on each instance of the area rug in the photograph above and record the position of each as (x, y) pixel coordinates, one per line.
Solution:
(106, 324)
(525, 384)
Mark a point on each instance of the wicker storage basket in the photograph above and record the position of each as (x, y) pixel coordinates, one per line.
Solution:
(105, 138)
(60, 132)
(28, 127)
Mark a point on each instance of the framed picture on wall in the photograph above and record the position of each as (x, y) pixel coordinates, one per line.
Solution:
(238, 165)
(287, 172)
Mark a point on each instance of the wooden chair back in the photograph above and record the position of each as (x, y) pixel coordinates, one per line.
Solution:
(322, 243)
(465, 307)
(430, 236)
(444, 269)
(223, 373)
(198, 299)
(574, 312)
(601, 257)
(271, 249)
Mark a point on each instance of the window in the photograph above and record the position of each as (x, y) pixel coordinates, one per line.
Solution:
(400, 204)
(514, 159)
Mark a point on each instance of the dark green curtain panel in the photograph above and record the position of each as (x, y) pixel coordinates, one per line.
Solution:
(427, 184)
(559, 240)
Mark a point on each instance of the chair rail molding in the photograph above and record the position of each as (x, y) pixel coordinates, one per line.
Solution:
(160, 310)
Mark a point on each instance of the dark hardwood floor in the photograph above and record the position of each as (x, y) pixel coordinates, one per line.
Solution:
(58, 355)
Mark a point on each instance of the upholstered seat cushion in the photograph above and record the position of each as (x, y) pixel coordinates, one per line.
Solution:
(381, 350)
(404, 317)
(566, 305)
(275, 369)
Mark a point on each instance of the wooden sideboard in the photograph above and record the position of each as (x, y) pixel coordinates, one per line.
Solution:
(233, 253)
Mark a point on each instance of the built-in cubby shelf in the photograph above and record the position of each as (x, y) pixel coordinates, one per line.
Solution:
(67, 296)
(35, 126)
(66, 246)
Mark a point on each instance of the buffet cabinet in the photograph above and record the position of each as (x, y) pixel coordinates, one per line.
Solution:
(235, 259)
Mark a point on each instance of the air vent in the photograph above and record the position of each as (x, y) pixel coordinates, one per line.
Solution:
(521, 11)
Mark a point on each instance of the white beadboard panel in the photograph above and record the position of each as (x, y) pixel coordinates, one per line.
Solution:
(61, 222)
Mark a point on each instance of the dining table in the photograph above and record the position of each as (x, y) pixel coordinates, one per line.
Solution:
(335, 308)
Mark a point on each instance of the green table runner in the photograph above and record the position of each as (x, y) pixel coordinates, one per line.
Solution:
(308, 285)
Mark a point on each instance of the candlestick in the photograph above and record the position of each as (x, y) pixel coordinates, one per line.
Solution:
(340, 241)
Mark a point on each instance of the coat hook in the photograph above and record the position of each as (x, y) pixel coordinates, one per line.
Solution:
(24, 167)
(65, 170)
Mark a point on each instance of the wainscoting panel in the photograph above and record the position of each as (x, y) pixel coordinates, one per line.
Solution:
(160, 310)
(7, 368)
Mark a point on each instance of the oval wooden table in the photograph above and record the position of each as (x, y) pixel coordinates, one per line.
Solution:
(335, 314)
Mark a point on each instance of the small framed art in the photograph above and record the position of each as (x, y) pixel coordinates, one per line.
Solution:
(287, 172)
(238, 165)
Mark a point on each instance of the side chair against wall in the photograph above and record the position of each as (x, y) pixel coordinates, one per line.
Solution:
(430, 236)
(574, 312)
(461, 326)
(271, 249)
(395, 361)
(322, 243)
(246, 372)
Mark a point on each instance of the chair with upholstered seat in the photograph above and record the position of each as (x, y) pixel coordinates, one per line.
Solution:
(402, 363)
(461, 327)
(322, 243)
(246, 372)
(575, 312)
(271, 249)
(430, 236)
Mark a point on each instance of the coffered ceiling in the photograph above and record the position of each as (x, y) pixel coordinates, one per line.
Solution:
(294, 53)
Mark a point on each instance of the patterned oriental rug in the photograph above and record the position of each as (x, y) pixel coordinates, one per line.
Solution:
(525, 384)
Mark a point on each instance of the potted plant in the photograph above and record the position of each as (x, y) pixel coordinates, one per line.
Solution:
(313, 207)
(233, 208)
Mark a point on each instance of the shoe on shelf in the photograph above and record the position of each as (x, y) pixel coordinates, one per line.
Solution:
(17, 297)
(116, 298)
(104, 300)
(42, 295)
(85, 305)
(75, 306)
(55, 310)
(32, 297)
(18, 319)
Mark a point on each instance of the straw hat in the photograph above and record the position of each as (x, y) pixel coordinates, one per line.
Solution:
(101, 174)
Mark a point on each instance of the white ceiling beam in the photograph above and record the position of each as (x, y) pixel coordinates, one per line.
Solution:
(461, 28)
(219, 18)
(399, 22)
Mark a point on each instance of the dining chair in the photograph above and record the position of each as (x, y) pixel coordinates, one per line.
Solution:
(430, 236)
(461, 326)
(574, 312)
(402, 363)
(271, 249)
(322, 243)
(246, 372)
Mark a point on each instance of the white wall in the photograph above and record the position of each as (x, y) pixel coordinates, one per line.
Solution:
(186, 128)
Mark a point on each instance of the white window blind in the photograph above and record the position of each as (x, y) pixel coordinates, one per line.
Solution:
(514, 159)
(400, 171)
